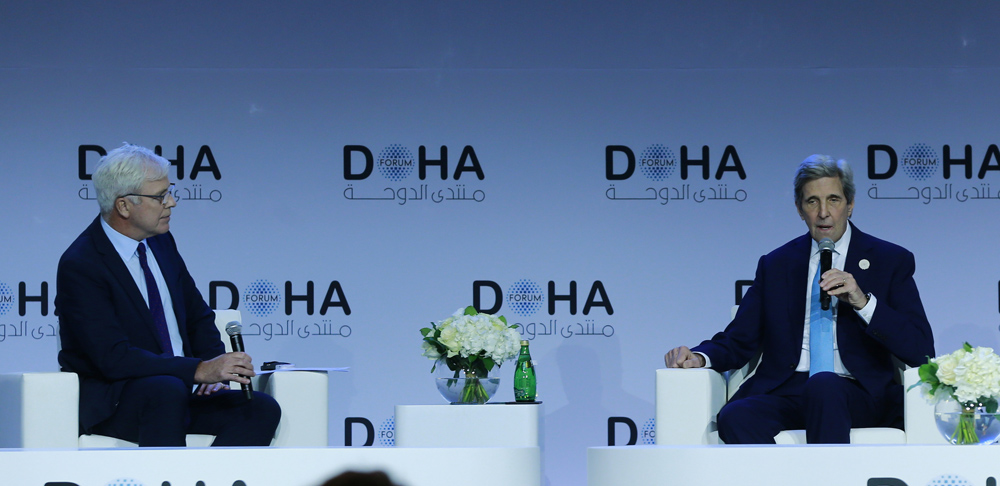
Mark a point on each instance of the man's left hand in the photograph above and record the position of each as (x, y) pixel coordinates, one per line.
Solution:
(210, 388)
(842, 285)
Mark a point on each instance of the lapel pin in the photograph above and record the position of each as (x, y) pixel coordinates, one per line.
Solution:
(864, 264)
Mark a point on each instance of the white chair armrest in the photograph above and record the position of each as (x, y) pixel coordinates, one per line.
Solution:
(303, 398)
(41, 410)
(687, 402)
(918, 413)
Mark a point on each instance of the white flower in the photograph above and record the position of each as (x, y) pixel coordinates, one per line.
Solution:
(946, 367)
(430, 351)
(969, 376)
(481, 335)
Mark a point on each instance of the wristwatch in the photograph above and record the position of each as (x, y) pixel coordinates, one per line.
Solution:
(868, 298)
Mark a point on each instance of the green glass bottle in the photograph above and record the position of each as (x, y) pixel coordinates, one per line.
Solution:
(524, 376)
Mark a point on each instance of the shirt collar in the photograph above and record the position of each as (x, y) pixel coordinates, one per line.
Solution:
(125, 246)
(840, 247)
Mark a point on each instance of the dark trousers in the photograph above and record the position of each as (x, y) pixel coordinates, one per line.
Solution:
(158, 411)
(826, 405)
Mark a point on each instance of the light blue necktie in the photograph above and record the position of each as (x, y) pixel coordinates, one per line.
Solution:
(820, 332)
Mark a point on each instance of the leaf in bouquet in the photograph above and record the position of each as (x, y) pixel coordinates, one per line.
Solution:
(488, 363)
(503, 319)
(425, 331)
(928, 374)
(471, 311)
(480, 369)
(991, 405)
(967, 347)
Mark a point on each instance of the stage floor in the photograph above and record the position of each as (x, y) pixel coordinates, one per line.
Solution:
(794, 465)
(483, 466)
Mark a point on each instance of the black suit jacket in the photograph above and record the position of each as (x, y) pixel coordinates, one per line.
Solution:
(771, 318)
(106, 329)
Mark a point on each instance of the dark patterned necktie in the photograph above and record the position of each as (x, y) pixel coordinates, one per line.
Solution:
(155, 303)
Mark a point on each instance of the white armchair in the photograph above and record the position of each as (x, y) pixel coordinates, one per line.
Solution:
(688, 402)
(42, 409)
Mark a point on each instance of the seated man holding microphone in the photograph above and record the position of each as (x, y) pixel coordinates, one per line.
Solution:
(825, 366)
(137, 331)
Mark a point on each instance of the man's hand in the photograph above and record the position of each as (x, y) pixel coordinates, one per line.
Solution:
(227, 367)
(683, 357)
(842, 285)
(207, 389)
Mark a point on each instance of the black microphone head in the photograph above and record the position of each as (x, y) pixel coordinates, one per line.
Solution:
(826, 244)
(234, 328)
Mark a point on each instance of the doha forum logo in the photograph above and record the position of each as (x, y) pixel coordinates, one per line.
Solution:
(124, 482)
(657, 162)
(924, 174)
(525, 297)
(261, 298)
(950, 480)
(920, 162)
(200, 172)
(6, 299)
(395, 162)
(649, 432)
(387, 432)
(689, 175)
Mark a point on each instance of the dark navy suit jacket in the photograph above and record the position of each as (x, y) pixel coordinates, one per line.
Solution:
(771, 319)
(106, 329)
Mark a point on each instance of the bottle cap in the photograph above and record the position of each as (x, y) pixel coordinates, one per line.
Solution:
(524, 343)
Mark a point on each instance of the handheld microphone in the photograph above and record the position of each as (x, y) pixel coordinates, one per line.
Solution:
(825, 263)
(233, 329)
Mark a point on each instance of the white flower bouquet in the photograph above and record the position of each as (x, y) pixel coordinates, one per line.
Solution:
(471, 343)
(969, 376)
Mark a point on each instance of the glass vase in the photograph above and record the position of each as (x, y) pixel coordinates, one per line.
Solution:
(961, 424)
(464, 386)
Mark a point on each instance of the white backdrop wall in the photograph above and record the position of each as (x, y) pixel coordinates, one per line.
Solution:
(265, 100)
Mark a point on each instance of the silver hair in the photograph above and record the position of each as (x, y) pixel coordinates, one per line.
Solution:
(818, 166)
(123, 171)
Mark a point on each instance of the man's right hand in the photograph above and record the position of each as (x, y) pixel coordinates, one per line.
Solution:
(236, 367)
(683, 357)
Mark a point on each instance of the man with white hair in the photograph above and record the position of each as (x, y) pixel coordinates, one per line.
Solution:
(137, 331)
(824, 367)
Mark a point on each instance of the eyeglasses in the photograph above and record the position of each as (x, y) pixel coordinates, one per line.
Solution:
(161, 198)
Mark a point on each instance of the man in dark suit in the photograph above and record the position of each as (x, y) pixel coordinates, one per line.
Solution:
(136, 330)
(826, 386)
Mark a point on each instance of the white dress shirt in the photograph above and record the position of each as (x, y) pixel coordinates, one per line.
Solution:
(127, 249)
(839, 257)
(866, 312)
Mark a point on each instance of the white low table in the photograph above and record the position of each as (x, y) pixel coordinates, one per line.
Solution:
(488, 425)
(793, 465)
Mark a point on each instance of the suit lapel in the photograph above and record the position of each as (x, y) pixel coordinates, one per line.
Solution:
(860, 249)
(117, 267)
(798, 276)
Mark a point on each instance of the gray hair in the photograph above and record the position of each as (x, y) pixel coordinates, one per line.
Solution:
(818, 166)
(123, 171)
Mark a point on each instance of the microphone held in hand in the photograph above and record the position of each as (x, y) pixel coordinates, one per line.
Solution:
(825, 263)
(233, 329)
